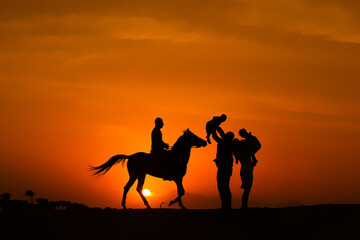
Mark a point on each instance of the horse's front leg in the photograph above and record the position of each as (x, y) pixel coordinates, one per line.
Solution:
(181, 204)
(181, 192)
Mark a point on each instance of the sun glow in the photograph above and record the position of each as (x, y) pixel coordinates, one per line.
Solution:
(146, 192)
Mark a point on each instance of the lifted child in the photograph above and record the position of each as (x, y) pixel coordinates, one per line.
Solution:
(213, 124)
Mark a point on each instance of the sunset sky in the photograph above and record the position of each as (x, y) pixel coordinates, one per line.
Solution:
(83, 80)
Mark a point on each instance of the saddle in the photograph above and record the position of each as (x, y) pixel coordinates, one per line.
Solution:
(162, 164)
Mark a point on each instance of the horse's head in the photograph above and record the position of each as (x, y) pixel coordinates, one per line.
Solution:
(193, 140)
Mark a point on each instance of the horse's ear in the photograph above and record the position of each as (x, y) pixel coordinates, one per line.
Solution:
(187, 130)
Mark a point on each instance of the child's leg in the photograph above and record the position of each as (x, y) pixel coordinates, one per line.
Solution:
(208, 138)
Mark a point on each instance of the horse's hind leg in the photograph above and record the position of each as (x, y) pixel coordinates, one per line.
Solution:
(139, 189)
(126, 189)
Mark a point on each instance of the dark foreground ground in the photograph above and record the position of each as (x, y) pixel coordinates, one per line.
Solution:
(311, 222)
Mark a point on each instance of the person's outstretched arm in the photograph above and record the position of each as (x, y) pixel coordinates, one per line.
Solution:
(216, 137)
(221, 132)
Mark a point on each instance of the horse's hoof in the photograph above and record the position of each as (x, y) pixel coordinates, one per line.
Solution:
(171, 203)
(148, 207)
(183, 208)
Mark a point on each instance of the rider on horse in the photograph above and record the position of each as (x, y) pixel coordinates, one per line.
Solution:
(157, 145)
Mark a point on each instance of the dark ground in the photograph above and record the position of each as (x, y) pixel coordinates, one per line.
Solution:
(310, 222)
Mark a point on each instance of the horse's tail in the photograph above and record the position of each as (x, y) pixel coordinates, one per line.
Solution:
(102, 169)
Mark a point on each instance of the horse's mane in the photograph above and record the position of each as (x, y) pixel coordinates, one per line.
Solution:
(180, 140)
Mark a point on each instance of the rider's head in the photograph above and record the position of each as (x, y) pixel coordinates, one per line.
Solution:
(243, 133)
(159, 122)
(229, 136)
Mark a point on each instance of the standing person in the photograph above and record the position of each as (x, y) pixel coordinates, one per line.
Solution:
(157, 144)
(224, 161)
(243, 153)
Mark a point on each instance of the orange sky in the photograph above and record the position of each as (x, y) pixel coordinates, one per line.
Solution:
(81, 81)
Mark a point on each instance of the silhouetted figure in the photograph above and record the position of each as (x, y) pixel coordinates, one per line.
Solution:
(158, 146)
(213, 125)
(224, 161)
(139, 164)
(242, 153)
(254, 144)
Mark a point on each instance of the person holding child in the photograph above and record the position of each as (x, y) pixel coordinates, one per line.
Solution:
(224, 162)
(244, 152)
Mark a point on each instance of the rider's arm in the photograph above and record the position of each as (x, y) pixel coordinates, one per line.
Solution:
(166, 146)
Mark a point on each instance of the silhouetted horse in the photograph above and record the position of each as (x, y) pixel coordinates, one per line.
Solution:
(172, 166)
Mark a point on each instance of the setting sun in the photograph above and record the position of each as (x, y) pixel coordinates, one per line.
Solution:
(146, 192)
